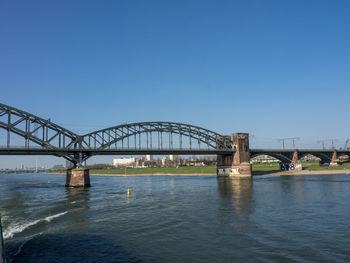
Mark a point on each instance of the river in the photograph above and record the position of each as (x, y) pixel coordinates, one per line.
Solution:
(176, 219)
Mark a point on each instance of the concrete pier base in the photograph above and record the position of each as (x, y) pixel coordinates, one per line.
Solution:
(78, 177)
(242, 170)
(239, 171)
(298, 167)
(291, 167)
(294, 166)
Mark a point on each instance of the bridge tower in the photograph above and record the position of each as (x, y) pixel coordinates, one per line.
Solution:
(237, 164)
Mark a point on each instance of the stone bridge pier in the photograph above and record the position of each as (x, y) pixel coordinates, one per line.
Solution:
(78, 177)
(334, 160)
(237, 164)
(294, 165)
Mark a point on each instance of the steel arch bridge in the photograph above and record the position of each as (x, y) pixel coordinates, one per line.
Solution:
(23, 133)
(286, 156)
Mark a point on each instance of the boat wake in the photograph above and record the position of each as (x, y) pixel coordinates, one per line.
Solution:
(18, 228)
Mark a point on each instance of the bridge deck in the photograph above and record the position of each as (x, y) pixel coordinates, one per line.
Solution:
(262, 151)
(43, 151)
(143, 151)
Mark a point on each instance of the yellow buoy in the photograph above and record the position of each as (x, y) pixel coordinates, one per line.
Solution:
(128, 192)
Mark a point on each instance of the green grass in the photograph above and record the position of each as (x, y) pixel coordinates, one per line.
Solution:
(265, 167)
(316, 167)
(159, 170)
(258, 167)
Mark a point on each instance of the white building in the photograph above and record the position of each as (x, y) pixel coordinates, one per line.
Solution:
(263, 159)
(164, 161)
(173, 157)
(123, 161)
(149, 157)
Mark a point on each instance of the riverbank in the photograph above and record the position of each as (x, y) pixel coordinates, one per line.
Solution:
(258, 169)
(171, 171)
(304, 172)
(182, 170)
(155, 174)
(276, 173)
(255, 173)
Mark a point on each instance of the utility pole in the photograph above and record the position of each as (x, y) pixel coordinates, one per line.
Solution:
(327, 140)
(322, 141)
(283, 140)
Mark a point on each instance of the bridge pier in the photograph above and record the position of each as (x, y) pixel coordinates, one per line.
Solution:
(236, 165)
(294, 166)
(334, 161)
(78, 177)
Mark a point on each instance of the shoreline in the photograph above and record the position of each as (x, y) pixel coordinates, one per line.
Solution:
(156, 174)
(275, 173)
(304, 172)
(145, 174)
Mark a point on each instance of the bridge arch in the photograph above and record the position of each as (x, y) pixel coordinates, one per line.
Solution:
(42, 133)
(154, 135)
(279, 156)
(25, 133)
(324, 157)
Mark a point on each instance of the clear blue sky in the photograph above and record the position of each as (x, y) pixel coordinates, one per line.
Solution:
(271, 68)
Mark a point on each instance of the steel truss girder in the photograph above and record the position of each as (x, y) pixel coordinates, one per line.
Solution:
(76, 148)
(32, 125)
(286, 155)
(211, 139)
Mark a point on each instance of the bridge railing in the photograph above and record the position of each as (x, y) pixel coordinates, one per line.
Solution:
(111, 149)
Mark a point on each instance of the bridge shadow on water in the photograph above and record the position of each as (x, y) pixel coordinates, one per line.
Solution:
(71, 248)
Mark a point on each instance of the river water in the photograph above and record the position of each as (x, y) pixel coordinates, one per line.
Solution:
(176, 219)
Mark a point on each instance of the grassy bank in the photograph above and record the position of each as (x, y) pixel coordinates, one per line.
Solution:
(159, 170)
(262, 167)
(265, 167)
(316, 167)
